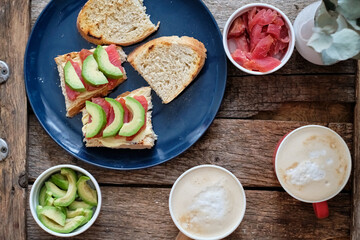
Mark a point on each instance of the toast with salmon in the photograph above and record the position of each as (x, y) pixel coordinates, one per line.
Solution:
(121, 22)
(169, 64)
(118, 137)
(75, 99)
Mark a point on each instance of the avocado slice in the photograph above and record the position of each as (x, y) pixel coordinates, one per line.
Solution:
(91, 74)
(42, 196)
(62, 209)
(49, 201)
(74, 213)
(55, 191)
(138, 120)
(118, 122)
(70, 224)
(86, 193)
(79, 204)
(52, 213)
(72, 79)
(88, 213)
(60, 181)
(98, 117)
(102, 58)
(71, 192)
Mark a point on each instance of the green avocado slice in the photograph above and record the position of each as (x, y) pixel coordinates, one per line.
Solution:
(71, 192)
(54, 190)
(138, 120)
(42, 196)
(52, 213)
(49, 201)
(79, 204)
(98, 117)
(91, 74)
(86, 193)
(70, 224)
(102, 58)
(60, 181)
(72, 79)
(88, 213)
(74, 213)
(118, 122)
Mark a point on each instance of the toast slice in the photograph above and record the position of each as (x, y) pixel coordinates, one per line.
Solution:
(145, 138)
(74, 106)
(169, 64)
(121, 22)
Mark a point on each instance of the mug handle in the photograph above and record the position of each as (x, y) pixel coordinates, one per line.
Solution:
(321, 209)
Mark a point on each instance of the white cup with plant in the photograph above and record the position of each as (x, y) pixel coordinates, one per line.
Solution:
(329, 31)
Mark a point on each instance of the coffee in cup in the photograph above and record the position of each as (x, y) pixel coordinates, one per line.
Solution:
(207, 202)
(313, 163)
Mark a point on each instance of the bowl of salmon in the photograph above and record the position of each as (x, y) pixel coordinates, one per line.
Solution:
(258, 38)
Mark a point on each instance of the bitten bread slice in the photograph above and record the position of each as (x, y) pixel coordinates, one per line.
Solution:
(169, 64)
(122, 22)
(144, 139)
(73, 107)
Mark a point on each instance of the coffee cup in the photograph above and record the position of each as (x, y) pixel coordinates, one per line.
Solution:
(313, 164)
(207, 202)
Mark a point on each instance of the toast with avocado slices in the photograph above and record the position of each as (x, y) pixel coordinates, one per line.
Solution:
(124, 122)
(169, 64)
(88, 74)
(121, 22)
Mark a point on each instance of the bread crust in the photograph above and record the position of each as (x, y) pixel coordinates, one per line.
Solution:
(74, 107)
(147, 142)
(87, 33)
(191, 42)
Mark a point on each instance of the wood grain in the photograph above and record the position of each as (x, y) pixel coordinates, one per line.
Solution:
(246, 96)
(245, 147)
(269, 215)
(15, 26)
(355, 223)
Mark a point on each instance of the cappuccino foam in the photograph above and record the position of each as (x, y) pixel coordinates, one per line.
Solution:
(313, 163)
(207, 202)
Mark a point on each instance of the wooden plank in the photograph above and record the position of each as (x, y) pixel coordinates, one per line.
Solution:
(269, 215)
(15, 26)
(221, 12)
(243, 146)
(309, 112)
(246, 96)
(355, 222)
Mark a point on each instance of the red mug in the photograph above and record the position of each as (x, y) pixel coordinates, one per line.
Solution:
(320, 206)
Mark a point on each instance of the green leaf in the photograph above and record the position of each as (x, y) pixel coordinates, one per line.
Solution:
(346, 44)
(324, 20)
(342, 23)
(350, 9)
(319, 40)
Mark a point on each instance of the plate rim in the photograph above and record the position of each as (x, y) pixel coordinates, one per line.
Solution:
(216, 107)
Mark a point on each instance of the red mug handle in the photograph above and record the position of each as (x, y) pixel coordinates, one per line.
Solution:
(321, 209)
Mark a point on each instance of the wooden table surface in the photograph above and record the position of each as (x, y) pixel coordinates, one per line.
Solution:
(256, 112)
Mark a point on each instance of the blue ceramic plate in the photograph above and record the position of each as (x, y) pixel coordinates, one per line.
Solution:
(178, 124)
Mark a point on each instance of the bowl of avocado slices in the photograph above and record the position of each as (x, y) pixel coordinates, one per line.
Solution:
(65, 200)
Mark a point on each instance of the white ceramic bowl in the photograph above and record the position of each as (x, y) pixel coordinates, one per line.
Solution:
(34, 198)
(241, 11)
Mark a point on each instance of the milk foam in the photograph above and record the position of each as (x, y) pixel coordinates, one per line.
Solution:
(306, 172)
(210, 206)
